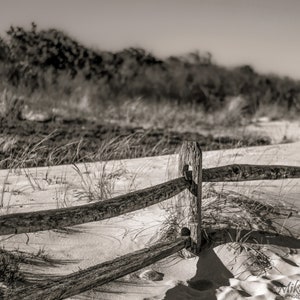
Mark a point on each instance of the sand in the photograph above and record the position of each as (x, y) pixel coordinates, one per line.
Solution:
(220, 273)
(278, 131)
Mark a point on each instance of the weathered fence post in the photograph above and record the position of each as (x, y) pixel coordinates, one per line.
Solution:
(189, 201)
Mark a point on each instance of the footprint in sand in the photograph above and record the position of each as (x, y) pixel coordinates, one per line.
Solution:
(151, 275)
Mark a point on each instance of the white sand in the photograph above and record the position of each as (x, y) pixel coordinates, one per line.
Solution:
(278, 131)
(220, 273)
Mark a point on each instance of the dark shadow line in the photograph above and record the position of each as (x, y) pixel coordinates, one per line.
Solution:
(214, 237)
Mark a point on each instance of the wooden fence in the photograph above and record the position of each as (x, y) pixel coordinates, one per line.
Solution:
(188, 187)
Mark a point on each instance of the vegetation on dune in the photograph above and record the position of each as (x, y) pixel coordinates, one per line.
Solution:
(73, 142)
(152, 103)
(53, 65)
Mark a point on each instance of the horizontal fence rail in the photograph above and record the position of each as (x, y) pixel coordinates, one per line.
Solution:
(97, 275)
(65, 217)
(244, 172)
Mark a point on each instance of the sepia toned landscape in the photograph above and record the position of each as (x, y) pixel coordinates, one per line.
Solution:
(128, 175)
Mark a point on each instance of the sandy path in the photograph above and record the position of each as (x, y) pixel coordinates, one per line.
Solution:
(96, 242)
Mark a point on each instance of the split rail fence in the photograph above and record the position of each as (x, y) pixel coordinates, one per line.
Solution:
(187, 187)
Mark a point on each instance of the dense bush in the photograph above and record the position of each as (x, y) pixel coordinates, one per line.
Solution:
(43, 59)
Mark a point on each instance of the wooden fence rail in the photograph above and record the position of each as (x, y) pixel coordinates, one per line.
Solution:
(65, 217)
(100, 274)
(245, 172)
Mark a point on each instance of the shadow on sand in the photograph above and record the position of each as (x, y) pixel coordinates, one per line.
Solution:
(211, 273)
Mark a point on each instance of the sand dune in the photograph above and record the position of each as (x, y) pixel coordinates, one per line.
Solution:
(225, 272)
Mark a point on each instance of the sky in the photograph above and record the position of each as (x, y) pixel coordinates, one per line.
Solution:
(261, 33)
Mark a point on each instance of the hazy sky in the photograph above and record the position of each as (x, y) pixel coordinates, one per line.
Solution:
(264, 33)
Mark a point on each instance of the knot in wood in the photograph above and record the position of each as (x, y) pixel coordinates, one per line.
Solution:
(185, 231)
